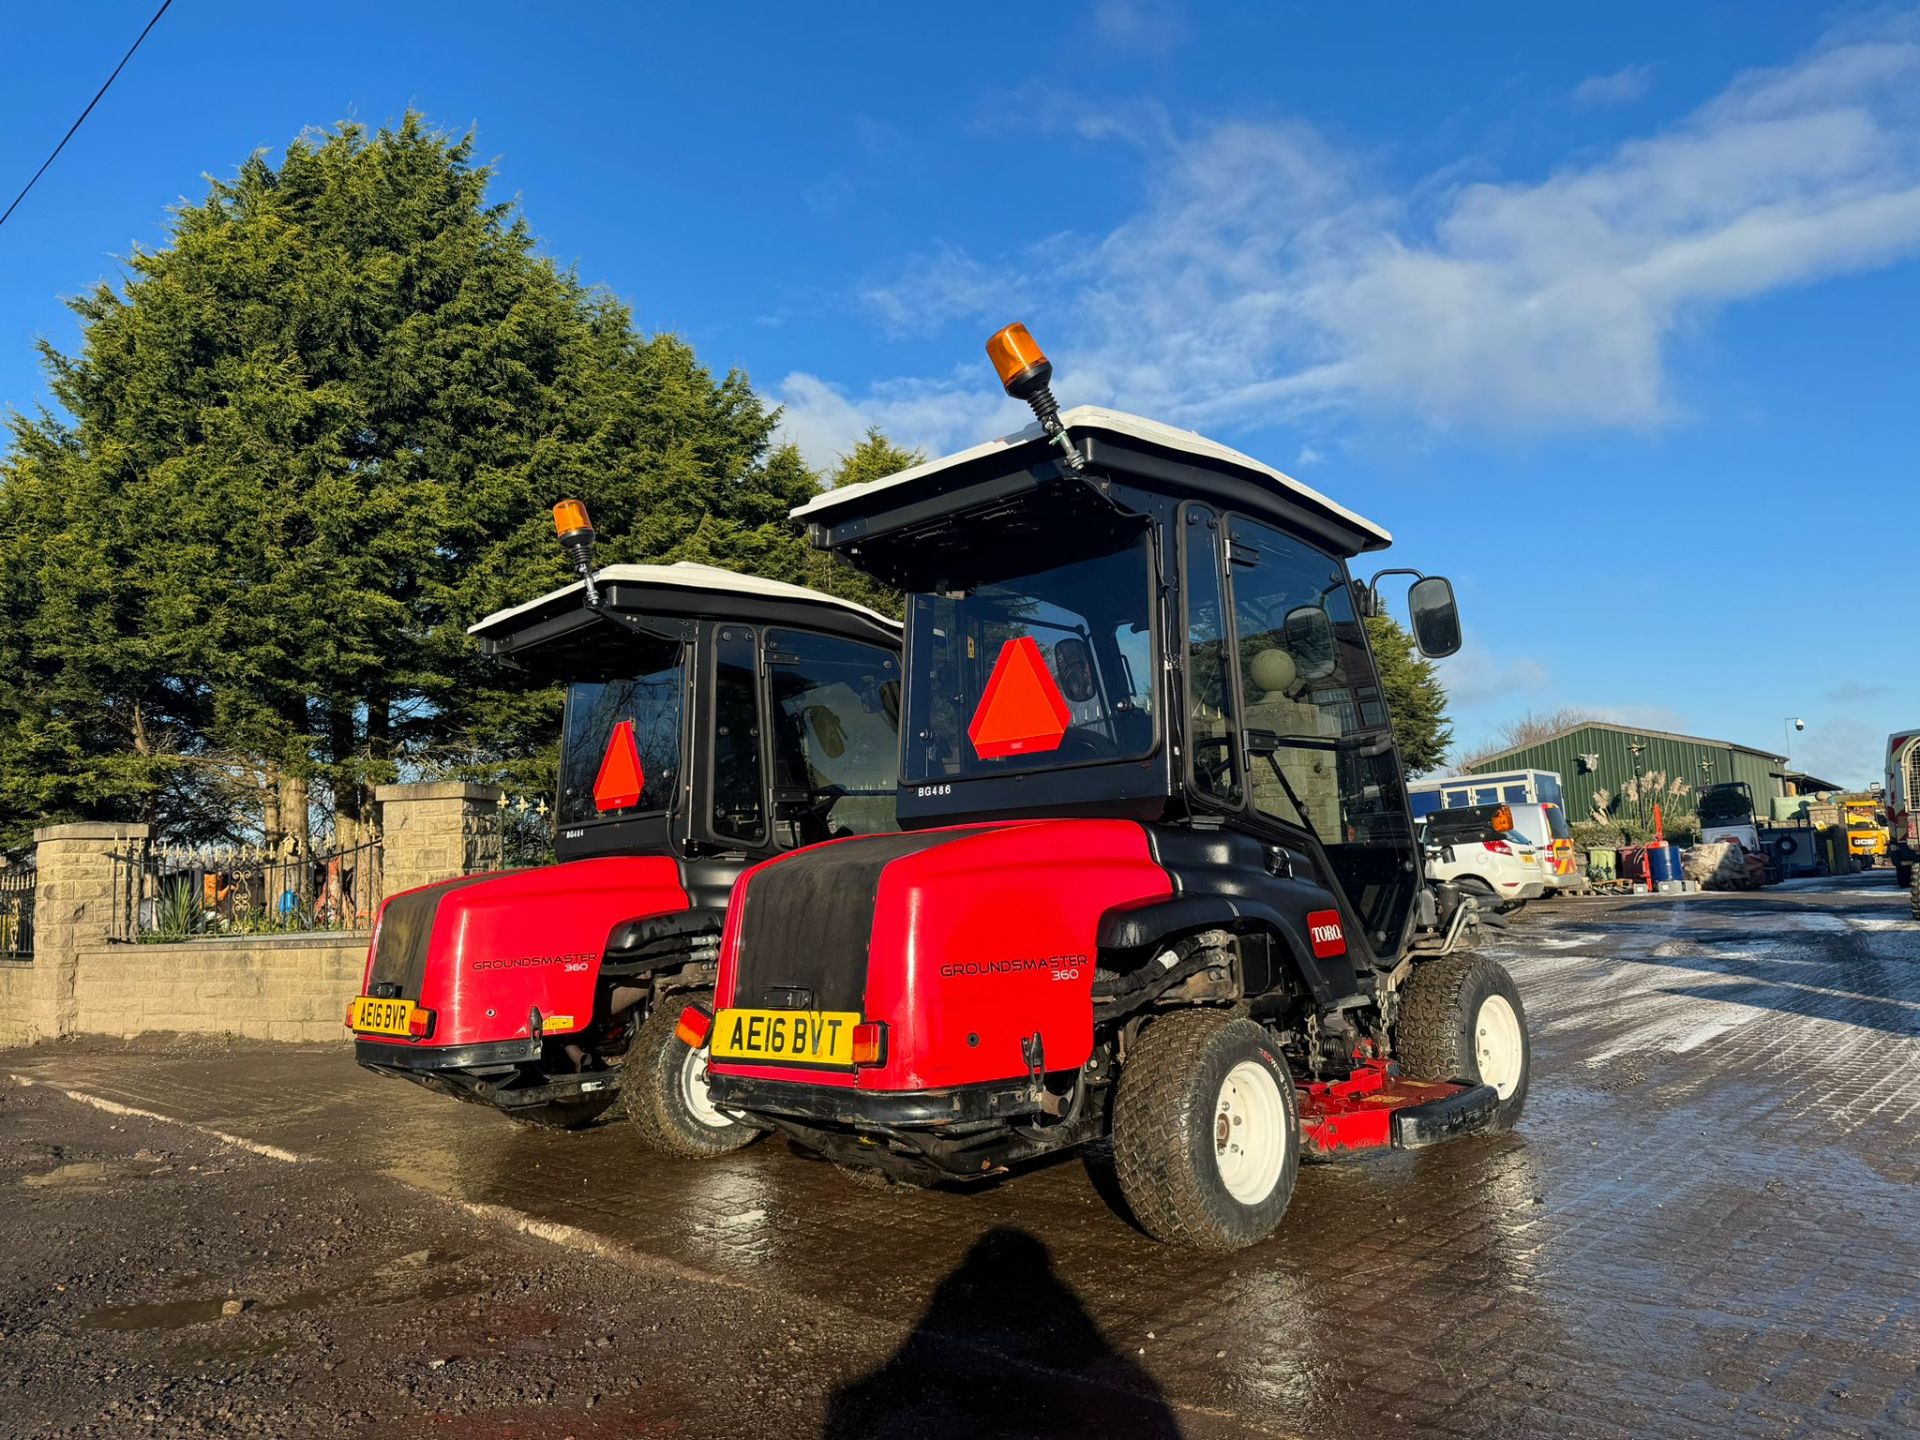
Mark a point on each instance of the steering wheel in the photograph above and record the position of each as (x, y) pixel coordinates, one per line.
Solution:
(1078, 744)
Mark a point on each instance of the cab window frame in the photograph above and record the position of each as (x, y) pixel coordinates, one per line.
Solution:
(1037, 763)
(1297, 830)
(1190, 516)
(675, 807)
(721, 634)
(772, 639)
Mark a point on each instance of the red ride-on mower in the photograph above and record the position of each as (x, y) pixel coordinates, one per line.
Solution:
(1158, 879)
(712, 720)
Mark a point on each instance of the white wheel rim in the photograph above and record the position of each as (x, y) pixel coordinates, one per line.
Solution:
(1249, 1132)
(1498, 1047)
(693, 1089)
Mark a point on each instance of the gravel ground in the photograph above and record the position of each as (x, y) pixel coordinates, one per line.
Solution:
(160, 1284)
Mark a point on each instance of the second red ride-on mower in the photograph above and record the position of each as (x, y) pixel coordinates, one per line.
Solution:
(1158, 879)
(712, 720)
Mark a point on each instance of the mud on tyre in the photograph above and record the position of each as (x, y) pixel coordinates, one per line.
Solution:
(1206, 1131)
(664, 1092)
(1461, 1020)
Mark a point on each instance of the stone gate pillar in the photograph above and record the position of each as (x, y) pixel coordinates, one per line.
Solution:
(74, 906)
(435, 831)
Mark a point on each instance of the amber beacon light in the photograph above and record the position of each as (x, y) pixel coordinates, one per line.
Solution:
(1026, 374)
(575, 530)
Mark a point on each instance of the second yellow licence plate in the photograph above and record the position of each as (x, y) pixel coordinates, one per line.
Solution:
(787, 1037)
(372, 1016)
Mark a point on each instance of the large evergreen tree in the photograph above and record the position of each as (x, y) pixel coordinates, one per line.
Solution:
(1416, 701)
(304, 444)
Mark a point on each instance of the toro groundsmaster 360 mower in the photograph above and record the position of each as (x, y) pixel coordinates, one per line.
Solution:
(1158, 878)
(712, 720)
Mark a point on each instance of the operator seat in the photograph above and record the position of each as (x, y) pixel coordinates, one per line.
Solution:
(1284, 707)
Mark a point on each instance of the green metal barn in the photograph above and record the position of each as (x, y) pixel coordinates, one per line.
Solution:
(1620, 758)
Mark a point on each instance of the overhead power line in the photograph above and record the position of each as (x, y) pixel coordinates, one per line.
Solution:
(164, 4)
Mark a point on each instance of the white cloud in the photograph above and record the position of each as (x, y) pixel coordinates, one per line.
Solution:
(1139, 24)
(1850, 691)
(1649, 716)
(940, 286)
(1307, 456)
(1622, 87)
(1476, 677)
(1844, 751)
(918, 415)
(1269, 275)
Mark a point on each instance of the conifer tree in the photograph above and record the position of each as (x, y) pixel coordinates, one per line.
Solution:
(300, 448)
(1416, 700)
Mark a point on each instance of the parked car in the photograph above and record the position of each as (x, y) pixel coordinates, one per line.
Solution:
(1484, 853)
(1544, 826)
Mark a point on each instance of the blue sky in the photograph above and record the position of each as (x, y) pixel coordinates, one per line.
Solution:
(1610, 312)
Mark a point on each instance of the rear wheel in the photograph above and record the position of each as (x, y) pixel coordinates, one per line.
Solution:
(575, 1114)
(664, 1092)
(1461, 1020)
(1913, 892)
(1206, 1131)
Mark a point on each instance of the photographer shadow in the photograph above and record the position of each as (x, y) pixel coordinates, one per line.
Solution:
(1003, 1349)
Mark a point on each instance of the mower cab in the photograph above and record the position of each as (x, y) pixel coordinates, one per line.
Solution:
(1157, 875)
(712, 720)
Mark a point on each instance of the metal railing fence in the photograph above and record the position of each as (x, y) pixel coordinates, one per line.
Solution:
(18, 878)
(167, 892)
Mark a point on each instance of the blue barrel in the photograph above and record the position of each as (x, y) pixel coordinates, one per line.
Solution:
(1679, 867)
(1665, 860)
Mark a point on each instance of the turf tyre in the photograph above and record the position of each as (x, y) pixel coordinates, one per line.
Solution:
(659, 1072)
(1444, 1007)
(1167, 1136)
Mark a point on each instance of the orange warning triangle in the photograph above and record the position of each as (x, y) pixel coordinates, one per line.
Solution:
(1022, 710)
(618, 784)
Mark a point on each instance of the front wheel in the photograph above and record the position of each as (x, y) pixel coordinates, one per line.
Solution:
(1206, 1131)
(664, 1092)
(1461, 1020)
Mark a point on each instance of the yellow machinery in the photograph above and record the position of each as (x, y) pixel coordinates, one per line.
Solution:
(1865, 828)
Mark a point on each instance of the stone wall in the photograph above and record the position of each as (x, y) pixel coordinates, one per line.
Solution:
(269, 987)
(19, 1002)
(294, 988)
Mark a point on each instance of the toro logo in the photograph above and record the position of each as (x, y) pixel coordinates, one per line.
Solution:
(1323, 929)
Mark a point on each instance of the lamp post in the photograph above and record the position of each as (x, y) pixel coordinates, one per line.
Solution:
(1789, 724)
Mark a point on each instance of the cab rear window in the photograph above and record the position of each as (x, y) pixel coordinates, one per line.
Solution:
(601, 715)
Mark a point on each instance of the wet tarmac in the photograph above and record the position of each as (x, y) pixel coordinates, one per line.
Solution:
(1707, 1223)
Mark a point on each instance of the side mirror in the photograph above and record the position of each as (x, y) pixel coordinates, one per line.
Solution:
(1436, 618)
(1310, 641)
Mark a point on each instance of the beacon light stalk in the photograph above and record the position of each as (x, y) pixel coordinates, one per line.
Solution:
(575, 530)
(1026, 373)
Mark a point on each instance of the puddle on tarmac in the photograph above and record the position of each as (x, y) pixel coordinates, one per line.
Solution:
(85, 1174)
(164, 1315)
(404, 1279)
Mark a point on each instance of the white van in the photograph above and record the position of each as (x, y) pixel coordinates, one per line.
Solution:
(1544, 826)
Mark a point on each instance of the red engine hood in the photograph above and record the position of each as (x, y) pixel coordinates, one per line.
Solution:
(484, 951)
(964, 941)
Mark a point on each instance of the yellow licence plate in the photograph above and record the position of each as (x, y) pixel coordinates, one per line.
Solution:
(786, 1037)
(371, 1016)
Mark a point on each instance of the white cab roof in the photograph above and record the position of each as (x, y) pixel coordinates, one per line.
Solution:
(1095, 417)
(686, 575)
